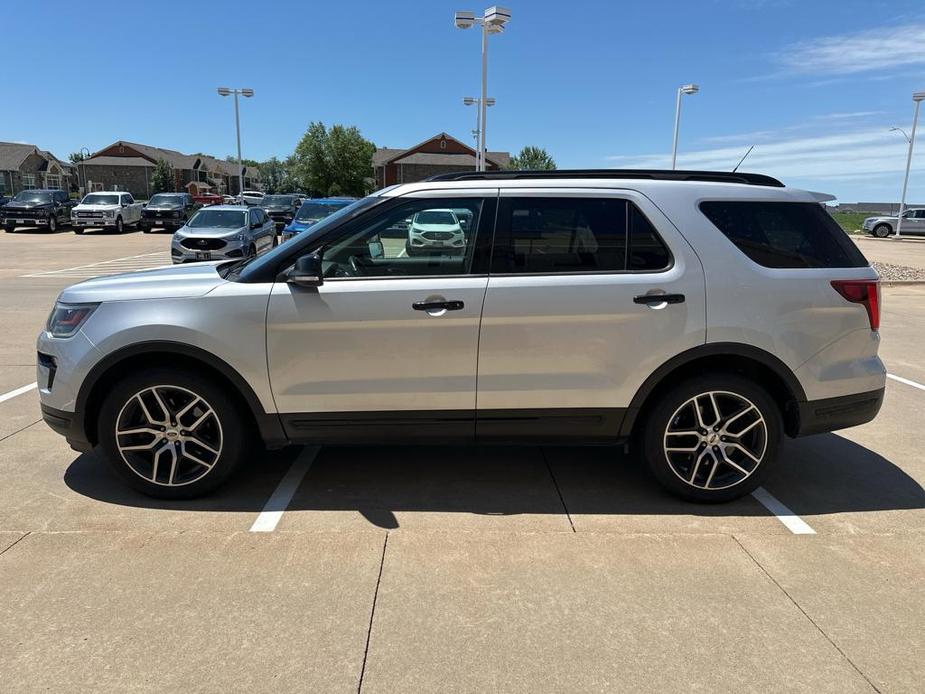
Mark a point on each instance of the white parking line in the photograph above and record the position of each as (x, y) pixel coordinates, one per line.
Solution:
(144, 261)
(273, 510)
(794, 523)
(19, 391)
(906, 381)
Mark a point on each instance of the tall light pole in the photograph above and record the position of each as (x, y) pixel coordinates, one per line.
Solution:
(683, 89)
(469, 101)
(492, 22)
(917, 97)
(225, 91)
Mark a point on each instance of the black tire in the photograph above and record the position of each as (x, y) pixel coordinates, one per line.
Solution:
(727, 480)
(146, 229)
(79, 231)
(232, 430)
(252, 251)
(9, 228)
(53, 224)
(881, 231)
(120, 225)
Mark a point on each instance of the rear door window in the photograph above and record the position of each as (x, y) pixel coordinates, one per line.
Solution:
(784, 234)
(538, 235)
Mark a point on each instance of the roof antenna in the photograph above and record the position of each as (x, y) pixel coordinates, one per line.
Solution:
(743, 158)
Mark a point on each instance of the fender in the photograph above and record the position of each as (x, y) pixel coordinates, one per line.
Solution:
(268, 423)
(713, 349)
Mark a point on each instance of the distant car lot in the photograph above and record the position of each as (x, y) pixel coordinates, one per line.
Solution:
(411, 569)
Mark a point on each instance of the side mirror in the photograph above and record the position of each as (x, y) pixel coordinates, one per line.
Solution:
(306, 272)
(376, 249)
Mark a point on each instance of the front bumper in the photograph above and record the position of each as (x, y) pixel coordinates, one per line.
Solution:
(165, 222)
(97, 223)
(830, 414)
(69, 425)
(25, 221)
(181, 254)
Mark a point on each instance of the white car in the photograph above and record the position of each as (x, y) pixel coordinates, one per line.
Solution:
(435, 231)
(113, 209)
(251, 197)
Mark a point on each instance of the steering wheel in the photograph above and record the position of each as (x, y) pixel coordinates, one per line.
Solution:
(354, 266)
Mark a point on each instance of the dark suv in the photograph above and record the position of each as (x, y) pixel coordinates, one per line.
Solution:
(168, 210)
(281, 208)
(37, 208)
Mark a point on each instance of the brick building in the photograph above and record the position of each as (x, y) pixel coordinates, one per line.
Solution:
(439, 154)
(129, 166)
(24, 166)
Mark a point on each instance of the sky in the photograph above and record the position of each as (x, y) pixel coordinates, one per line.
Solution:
(815, 85)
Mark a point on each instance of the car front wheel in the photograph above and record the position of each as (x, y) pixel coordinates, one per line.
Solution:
(53, 224)
(881, 231)
(712, 438)
(169, 440)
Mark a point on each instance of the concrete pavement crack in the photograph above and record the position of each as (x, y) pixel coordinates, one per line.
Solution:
(558, 491)
(806, 614)
(372, 614)
(15, 543)
(13, 433)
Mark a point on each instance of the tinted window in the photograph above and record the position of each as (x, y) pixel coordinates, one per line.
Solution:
(100, 199)
(784, 234)
(552, 235)
(224, 219)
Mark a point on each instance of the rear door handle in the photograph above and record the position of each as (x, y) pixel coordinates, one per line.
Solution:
(650, 299)
(437, 305)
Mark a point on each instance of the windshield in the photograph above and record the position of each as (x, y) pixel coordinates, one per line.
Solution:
(313, 211)
(97, 199)
(222, 219)
(249, 269)
(270, 200)
(435, 217)
(32, 196)
(161, 199)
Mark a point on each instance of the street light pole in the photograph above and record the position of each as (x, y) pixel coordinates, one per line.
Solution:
(492, 22)
(469, 101)
(917, 97)
(245, 92)
(683, 89)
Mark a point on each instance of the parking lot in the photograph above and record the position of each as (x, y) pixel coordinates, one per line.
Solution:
(413, 569)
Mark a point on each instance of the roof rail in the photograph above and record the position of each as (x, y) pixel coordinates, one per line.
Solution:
(651, 174)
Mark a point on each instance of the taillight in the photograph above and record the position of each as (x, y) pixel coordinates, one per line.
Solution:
(866, 292)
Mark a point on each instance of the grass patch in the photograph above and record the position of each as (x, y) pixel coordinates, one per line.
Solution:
(851, 221)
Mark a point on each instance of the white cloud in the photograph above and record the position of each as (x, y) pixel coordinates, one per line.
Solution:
(847, 156)
(864, 51)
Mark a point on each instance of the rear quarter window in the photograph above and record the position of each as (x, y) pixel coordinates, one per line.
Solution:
(784, 234)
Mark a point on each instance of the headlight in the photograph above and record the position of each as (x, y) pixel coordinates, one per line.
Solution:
(66, 319)
(109, 213)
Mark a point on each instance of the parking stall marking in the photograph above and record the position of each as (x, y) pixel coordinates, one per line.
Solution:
(144, 261)
(794, 523)
(19, 391)
(279, 500)
(906, 381)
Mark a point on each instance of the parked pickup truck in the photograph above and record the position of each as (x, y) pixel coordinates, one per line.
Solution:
(113, 209)
(168, 210)
(37, 208)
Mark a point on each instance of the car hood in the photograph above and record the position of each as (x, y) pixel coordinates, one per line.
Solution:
(94, 208)
(301, 224)
(208, 232)
(452, 228)
(169, 282)
(26, 205)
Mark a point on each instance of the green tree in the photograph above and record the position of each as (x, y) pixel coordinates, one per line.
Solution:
(277, 177)
(533, 159)
(335, 161)
(244, 162)
(75, 157)
(163, 179)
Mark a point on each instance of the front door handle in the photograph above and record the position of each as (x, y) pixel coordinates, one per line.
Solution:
(437, 305)
(650, 299)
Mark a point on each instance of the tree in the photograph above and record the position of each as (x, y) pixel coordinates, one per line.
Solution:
(277, 177)
(244, 162)
(75, 157)
(533, 159)
(338, 161)
(163, 179)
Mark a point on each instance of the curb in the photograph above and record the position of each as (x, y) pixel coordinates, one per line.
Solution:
(867, 237)
(901, 283)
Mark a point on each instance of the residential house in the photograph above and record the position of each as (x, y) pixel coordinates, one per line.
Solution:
(130, 166)
(439, 154)
(24, 167)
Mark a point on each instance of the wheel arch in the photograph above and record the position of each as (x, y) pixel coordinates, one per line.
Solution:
(754, 362)
(174, 354)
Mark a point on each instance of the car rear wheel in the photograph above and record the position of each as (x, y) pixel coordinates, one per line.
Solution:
(169, 440)
(712, 438)
(881, 231)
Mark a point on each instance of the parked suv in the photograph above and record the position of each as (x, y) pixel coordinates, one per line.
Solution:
(281, 208)
(167, 210)
(45, 209)
(697, 316)
(223, 231)
(885, 225)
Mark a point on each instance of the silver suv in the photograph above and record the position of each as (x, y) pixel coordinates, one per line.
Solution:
(697, 316)
(220, 232)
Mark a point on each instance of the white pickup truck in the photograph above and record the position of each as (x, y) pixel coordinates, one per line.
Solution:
(116, 209)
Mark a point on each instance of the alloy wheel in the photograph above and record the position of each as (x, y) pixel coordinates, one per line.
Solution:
(715, 440)
(168, 435)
